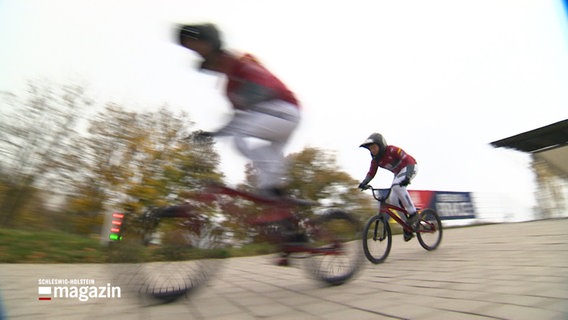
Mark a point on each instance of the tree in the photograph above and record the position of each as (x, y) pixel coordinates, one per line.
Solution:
(124, 159)
(35, 132)
(138, 160)
(313, 174)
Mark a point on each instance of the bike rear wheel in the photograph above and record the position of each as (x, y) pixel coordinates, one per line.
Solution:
(335, 251)
(429, 232)
(377, 239)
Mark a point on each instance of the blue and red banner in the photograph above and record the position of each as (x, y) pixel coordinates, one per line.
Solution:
(448, 204)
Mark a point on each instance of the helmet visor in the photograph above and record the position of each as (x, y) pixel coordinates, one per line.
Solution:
(366, 143)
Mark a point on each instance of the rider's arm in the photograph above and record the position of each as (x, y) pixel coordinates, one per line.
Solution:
(371, 174)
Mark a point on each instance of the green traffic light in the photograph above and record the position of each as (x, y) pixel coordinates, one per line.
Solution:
(115, 237)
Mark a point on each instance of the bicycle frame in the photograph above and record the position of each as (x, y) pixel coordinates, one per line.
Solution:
(377, 234)
(278, 210)
(392, 210)
(327, 242)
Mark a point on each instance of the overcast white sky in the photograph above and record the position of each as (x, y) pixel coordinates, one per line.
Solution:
(439, 78)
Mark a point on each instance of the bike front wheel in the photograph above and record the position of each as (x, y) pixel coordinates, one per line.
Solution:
(377, 239)
(429, 232)
(177, 255)
(335, 254)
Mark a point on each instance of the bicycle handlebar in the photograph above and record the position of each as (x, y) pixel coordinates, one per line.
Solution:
(369, 187)
(378, 193)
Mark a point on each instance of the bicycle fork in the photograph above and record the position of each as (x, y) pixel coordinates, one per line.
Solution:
(380, 234)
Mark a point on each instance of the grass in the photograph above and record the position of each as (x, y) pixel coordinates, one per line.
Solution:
(23, 246)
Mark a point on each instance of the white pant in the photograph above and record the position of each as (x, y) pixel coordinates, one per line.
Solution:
(399, 193)
(273, 122)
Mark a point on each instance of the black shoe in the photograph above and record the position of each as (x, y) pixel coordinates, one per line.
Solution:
(408, 236)
(413, 221)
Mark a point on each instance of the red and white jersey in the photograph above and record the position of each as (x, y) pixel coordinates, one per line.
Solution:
(393, 159)
(248, 69)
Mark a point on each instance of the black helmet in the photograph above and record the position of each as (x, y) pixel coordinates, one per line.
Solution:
(376, 138)
(205, 32)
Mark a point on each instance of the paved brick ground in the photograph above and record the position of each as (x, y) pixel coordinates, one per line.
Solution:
(506, 271)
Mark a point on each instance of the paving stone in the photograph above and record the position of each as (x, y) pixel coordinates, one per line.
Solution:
(501, 271)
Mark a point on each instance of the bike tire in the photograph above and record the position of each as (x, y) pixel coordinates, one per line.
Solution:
(168, 276)
(429, 239)
(377, 239)
(166, 282)
(335, 228)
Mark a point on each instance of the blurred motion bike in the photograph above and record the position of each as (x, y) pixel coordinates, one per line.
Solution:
(327, 241)
(377, 234)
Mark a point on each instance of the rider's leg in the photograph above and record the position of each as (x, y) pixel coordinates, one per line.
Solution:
(404, 197)
(273, 122)
(269, 160)
(400, 192)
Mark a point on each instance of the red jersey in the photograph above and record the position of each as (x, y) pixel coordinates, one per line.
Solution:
(248, 69)
(393, 159)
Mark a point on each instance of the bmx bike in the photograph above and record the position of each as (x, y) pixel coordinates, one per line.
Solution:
(377, 234)
(328, 241)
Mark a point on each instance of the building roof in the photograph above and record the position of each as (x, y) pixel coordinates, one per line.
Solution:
(550, 142)
(548, 137)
